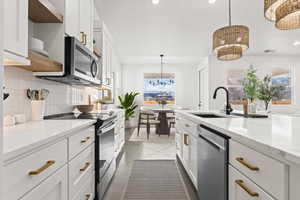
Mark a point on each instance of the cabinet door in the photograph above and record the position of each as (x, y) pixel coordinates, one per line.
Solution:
(86, 21)
(185, 149)
(53, 188)
(241, 188)
(72, 18)
(16, 27)
(193, 159)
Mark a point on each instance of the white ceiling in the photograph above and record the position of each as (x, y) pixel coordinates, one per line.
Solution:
(182, 29)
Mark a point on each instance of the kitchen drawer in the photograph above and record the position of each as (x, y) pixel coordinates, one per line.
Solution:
(189, 126)
(80, 141)
(53, 188)
(87, 192)
(242, 188)
(80, 168)
(26, 173)
(266, 172)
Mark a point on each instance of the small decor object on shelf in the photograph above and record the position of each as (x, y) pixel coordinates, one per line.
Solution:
(266, 92)
(251, 84)
(231, 41)
(128, 104)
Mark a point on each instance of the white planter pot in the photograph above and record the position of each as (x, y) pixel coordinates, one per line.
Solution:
(37, 110)
(252, 108)
(130, 123)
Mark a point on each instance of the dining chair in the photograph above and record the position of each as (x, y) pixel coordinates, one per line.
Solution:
(147, 118)
(171, 119)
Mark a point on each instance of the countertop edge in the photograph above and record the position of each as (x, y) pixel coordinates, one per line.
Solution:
(15, 154)
(276, 153)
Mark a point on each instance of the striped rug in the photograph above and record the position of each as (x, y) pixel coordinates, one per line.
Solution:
(155, 180)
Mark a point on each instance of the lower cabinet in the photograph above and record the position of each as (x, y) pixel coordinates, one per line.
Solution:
(193, 159)
(87, 192)
(53, 188)
(241, 188)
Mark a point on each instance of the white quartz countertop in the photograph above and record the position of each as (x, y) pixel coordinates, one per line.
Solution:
(23, 138)
(278, 135)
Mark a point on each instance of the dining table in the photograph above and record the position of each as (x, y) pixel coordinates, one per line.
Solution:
(163, 128)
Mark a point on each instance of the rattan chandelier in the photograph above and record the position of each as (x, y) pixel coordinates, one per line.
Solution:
(285, 13)
(231, 41)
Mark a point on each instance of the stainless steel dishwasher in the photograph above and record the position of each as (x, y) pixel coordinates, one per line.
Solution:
(212, 164)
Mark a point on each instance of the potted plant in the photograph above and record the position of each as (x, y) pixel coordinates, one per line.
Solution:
(250, 85)
(127, 102)
(266, 92)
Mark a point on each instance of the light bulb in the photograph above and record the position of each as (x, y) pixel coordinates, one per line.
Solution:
(211, 1)
(155, 2)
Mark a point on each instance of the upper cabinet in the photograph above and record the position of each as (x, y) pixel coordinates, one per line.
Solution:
(79, 19)
(16, 32)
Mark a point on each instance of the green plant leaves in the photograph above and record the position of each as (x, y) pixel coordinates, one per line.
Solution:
(127, 102)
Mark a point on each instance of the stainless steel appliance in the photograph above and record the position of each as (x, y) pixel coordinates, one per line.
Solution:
(105, 161)
(81, 65)
(105, 158)
(212, 164)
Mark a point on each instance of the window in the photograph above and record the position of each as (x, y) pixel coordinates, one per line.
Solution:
(280, 77)
(155, 87)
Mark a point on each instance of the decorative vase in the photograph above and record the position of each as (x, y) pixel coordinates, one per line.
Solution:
(251, 107)
(37, 110)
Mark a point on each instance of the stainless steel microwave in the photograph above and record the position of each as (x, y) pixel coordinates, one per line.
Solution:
(81, 65)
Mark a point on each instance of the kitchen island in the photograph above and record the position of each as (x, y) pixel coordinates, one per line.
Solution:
(273, 144)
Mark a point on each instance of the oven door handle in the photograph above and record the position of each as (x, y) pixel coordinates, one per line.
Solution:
(105, 130)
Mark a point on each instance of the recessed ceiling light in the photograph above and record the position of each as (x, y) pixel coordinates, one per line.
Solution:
(211, 1)
(155, 2)
(296, 43)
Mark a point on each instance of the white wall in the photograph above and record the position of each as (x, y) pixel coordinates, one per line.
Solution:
(61, 99)
(186, 81)
(218, 74)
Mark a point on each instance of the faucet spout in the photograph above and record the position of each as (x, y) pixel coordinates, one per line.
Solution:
(228, 106)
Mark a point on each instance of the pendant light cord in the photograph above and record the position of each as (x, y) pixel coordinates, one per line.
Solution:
(229, 7)
(161, 67)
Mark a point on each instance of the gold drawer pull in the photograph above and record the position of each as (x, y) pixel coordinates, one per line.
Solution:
(243, 162)
(43, 168)
(85, 140)
(85, 167)
(186, 139)
(187, 125)
(88, 196)
(241, 184)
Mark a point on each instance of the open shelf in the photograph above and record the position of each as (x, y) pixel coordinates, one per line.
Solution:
(43, 11)
(40, 63)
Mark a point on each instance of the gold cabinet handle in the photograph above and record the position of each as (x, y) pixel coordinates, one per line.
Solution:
(243, 162)
(87, 164)
(85, 39)
(88, 196)
(85, 140)
(82, 37)
(43, 168)
(241, 184)
(186, 139)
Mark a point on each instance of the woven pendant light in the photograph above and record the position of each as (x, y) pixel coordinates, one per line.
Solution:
(231, 41)
(285, 13)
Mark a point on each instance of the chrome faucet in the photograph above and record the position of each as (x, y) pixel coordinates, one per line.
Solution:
(228, 106)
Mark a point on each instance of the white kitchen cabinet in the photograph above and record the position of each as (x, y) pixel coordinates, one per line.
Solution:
(107, 57)
(79, 20)
(193, 159)
(119, 133)
(242, 188)
(86, 14)
(54, 187)
(72, 18)
(15, 30)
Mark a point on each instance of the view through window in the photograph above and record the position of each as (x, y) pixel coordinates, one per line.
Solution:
(156, 88)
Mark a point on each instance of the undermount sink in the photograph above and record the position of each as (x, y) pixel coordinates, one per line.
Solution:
(209, 115)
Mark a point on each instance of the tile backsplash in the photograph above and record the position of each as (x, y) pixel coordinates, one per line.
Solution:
(61, 99)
